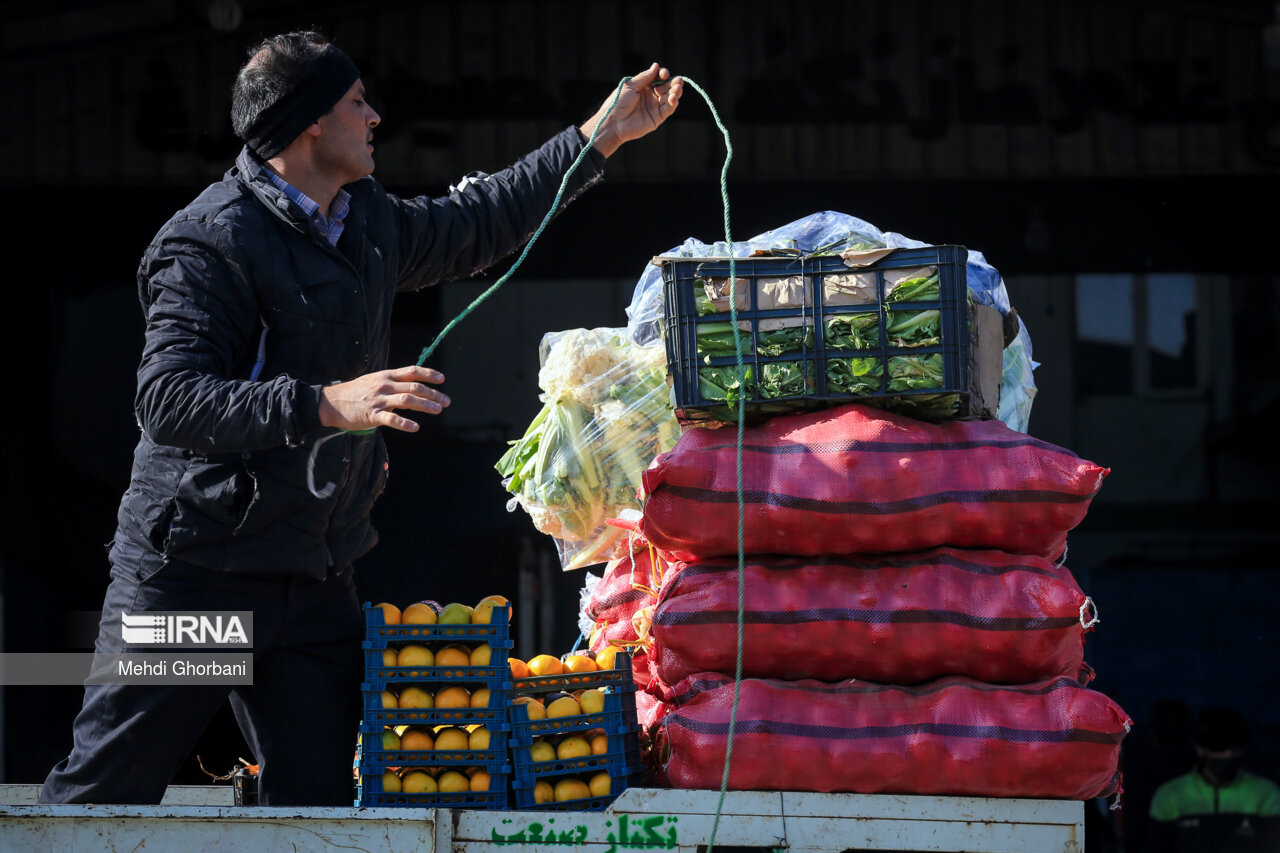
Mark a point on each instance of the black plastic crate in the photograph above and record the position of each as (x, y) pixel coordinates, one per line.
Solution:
(816, 332)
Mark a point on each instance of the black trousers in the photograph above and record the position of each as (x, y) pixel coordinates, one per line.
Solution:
(300, 716)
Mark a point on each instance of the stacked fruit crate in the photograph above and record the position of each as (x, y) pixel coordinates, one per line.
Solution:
(434, 729)
(574, 738)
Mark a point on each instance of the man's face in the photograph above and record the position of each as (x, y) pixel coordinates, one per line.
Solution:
(345, 143)
(1219, 767)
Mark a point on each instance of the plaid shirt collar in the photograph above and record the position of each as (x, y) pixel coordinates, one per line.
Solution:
(329, 226)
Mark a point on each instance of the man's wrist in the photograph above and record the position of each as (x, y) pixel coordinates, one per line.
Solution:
(310, 399)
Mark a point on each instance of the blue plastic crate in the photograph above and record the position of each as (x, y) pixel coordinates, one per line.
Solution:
(618, 677)
(815, 360)
(618, 717)
(369, 794)
(495, 759)
(497, 672)
(522, 794)
(494, 715)
(378, 634)
(619, 761)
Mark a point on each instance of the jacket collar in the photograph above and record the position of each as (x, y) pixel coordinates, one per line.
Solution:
(252, 172)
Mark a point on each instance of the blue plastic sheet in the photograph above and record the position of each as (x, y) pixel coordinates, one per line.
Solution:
(834, 231)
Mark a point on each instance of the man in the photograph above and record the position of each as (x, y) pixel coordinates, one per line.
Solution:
(1218, 807)
(268, 304)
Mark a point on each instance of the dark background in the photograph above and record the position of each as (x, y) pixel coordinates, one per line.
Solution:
(1123, 138)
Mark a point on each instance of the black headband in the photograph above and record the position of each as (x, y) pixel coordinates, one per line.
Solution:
(330, 76)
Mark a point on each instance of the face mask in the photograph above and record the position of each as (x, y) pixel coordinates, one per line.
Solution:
(1224, 770)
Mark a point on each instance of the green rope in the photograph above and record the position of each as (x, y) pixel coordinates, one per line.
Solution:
(742, 408)
(738, 344)
(555, 205)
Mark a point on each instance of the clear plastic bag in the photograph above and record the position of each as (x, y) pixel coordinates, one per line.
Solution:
(606, 414)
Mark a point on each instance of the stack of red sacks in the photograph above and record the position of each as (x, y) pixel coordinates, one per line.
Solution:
(906, 627)
(619, 607)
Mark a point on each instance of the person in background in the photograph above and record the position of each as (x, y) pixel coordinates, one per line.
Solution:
(264, 374)
(1157, 750)
(1217, 807)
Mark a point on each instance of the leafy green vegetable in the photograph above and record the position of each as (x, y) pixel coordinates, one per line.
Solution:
(914, 328)
(854, 376)
(920, 289)
(702, 303)
(915, 372)
(726, 383)
(788, 339)
(786, 379)
(717, 339)
(928, 407)
(853, 331)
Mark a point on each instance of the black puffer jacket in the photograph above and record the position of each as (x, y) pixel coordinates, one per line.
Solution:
(249, 313)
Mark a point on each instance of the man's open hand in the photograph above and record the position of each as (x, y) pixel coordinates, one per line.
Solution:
(372, 400)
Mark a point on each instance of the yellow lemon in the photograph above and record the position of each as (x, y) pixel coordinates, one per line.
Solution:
(478, 739)
(545, 665)
(572, 746)
(451, 739)
(591, 700)
(414, 655)
(418, 782)
(605, 657)
(482, 613)
(414, 738)
(579, 663)
(570, 788)
(453, 655)
(541, 750)
(388, 657)
(454, 696)
(565, 706)
(419, 613)
(532, 707)
(481, 654)
(452, 781)
(390, 613)
(600, 785)
(415, 697)
(543, 792)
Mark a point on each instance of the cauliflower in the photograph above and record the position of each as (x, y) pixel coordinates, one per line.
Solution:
(584, 364)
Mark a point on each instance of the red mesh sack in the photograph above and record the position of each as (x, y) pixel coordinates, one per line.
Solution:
(953, 736)
(857, 480)
(894, 619)
(627, 585)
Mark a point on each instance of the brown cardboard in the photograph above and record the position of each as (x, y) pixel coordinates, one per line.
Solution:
(986, 360)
